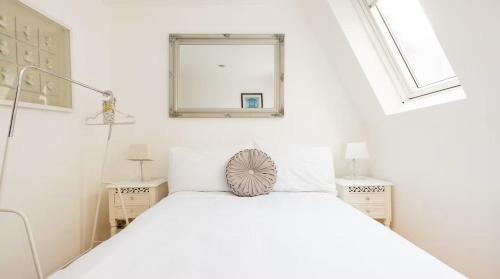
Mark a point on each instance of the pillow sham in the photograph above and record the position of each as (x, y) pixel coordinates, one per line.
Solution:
(199, 169)
(250, 173)
(301, 168)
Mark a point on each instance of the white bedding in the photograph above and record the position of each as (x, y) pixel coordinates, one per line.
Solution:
(281, 235)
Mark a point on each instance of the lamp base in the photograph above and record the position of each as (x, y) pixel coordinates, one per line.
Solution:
(142, 173)
(141, 164)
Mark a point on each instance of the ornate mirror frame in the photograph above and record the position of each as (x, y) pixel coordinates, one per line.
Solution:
(177, 40)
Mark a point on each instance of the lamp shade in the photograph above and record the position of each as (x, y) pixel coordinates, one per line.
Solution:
(138, 152)
(356, 150)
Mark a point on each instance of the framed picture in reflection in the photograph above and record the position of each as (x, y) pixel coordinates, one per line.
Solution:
(252, 100)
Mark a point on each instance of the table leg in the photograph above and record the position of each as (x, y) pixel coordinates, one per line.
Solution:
(114, 226)
(387, 223)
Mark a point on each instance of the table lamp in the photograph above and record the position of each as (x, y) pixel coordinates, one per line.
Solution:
(139, 152)
(354, 151)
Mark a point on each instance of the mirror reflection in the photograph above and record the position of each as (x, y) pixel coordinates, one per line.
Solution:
(226, 76)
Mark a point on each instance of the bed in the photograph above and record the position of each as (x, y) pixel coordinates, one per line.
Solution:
(280, 235)
(300, 230)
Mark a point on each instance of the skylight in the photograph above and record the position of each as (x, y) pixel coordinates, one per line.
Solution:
(412, 47)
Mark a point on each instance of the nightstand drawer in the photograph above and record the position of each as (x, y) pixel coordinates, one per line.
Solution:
(137, 196)
(374, 211)
(369, 195)
(366, 198)
(132, 199)
(132, 211)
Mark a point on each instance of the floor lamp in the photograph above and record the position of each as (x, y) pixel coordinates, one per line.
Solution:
(108, 119)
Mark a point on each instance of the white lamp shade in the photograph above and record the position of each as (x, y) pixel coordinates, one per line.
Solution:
(138, 152)
(356, 150)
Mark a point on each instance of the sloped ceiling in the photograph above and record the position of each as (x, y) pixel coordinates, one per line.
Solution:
(468, 31)
(328, 31)
(442, 159)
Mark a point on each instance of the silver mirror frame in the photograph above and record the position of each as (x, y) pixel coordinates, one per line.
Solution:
(176, 40)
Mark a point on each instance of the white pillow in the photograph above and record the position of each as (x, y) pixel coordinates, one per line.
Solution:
(301, 168)
(199, 169)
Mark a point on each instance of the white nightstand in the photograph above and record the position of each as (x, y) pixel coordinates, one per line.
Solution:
(369, 195)
(137, 197)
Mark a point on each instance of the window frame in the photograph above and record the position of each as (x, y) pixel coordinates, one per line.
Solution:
(394, 60)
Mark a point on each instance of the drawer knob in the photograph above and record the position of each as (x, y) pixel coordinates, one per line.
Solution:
(368, 211)
(28, 56)
(48, 88)
(49, 64)
(3, 73)
(367, 198)
(29, 79)
(131, 198)
(3, 21)
(4, 48)
(48, 41)
(27, 32)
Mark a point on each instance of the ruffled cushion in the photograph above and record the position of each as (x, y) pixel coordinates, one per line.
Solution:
(250, 173)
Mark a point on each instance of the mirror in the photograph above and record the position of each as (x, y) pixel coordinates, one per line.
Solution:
(226, 75)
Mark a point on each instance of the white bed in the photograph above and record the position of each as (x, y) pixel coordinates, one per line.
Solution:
(281, 235)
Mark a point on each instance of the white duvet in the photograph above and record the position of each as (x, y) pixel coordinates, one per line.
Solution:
(281, 235)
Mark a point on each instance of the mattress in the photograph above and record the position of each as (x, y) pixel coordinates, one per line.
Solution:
(280, 235)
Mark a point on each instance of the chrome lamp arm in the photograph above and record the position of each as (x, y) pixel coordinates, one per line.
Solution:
(106, 93)
(108, 108)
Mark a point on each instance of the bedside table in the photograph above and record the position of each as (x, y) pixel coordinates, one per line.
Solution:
(136, 197)
(369, 195)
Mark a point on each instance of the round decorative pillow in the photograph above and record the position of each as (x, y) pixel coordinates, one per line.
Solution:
(250, 173)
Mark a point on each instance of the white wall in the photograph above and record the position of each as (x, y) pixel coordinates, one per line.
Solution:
(54, 168)
(50, 158)
(442, 159)
(316, 108)
(446, 158)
